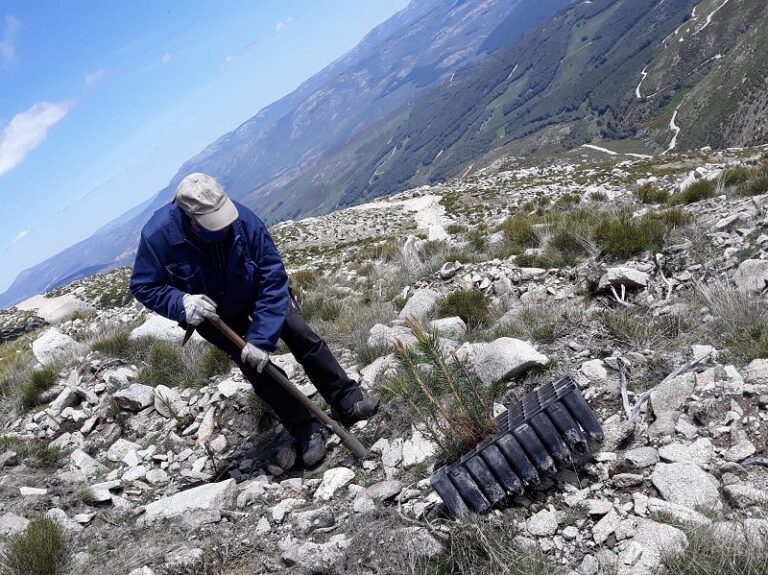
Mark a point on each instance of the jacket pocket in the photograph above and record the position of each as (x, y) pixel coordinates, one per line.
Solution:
(186, 277)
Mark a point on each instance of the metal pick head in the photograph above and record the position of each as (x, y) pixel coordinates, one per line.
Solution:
(188, 334)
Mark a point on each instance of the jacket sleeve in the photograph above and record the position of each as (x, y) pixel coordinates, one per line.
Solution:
(272, 298)
(150, 285)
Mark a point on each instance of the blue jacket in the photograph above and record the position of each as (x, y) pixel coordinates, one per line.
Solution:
(169, 265)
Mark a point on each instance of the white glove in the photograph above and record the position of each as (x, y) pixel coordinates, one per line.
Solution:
(198, 308)
(255, 357)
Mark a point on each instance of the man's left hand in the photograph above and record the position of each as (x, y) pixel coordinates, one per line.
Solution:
(255, 357)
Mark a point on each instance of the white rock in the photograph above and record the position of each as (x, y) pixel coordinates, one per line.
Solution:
(317, 557)
(757, 371)
(54, 346)
(680, 513)
(643, 555)
(134, 473)
(156, 476)
(594, 370)
(752, 275)
(606, 526)
(86, 463)
(686, 484)
(382, 336)
(625, 276)
(135, 397)
(162, 329)
(504, 358)
(333, 480)
(421, 304)
(32, 491)
(450, 327)
(120, 448)
(12, 524)
(166, 401)
(417, 450)
(699, 452)
(209, 497)
(55, 310)
(542, 524)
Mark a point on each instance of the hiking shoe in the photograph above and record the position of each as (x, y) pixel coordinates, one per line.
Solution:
(312, 449)
(360, 410)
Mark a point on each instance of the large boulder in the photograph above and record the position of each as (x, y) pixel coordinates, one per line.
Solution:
(211, 497)
(686, 484)
(752, 275)
(421, 305)
(54, 346)
(162, 329)
(55, 310)
(450, 327)
(643, 553)
(504, 358)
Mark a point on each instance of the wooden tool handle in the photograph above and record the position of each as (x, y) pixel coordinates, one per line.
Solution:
(349, 440)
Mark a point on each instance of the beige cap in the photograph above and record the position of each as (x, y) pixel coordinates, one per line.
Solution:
(203, 199)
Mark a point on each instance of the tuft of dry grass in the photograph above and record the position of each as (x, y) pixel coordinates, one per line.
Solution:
(715, 551)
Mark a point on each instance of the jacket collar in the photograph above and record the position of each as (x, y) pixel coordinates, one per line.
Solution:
(176, 226)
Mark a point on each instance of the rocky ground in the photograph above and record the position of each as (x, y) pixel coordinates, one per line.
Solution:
(158, 461)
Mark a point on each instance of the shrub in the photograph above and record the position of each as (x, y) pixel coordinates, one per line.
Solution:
(303, 280)
(598, 197)
(471, 306)
(40, 550)
(452, 404)
(39, 382)
(650, 194)
(547, 322)
(638, 329)
(695, 192)
(262, 414)
(478, 238)
(33, 453)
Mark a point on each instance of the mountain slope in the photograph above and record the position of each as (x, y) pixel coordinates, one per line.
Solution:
(571, 81)
(406, 56)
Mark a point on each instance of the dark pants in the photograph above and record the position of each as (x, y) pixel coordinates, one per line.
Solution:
(311, 351)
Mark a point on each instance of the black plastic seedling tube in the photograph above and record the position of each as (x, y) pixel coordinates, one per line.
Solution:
(485, 480)
(549, 436)
(568, 427)
(582, 413)
(471, 493)
(501, 469)
(517, 458)
(535, 449)
(449, 494)
(545, 424)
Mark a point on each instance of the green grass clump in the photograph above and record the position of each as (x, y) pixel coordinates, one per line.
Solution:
(736, 176)
(755, 186)
(40, 550)
(710, 551)
(650, 194)
(39, 382)
(695, 192)
(32, 453)
(320, 308)
(470, 306)
(520, 233)
(115, 343)
(214, 362)
(623, 236)
(456, 228)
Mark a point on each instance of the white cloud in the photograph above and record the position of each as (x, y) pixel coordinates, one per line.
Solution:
(229, 59)
(91, 78)
(167, 57)
(8, 40)
(27, 130)
(22, 234)
(283, 24)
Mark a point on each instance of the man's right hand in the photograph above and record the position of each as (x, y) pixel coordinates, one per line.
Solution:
(198, 308)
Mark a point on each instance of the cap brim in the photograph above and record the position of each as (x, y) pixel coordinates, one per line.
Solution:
(220, 219)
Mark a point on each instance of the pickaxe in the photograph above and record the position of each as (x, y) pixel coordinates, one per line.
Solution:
(349, 440)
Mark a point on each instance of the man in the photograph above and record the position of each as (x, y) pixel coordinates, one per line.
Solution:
(204, 254)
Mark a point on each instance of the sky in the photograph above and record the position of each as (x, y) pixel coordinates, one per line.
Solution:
(102, 101)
